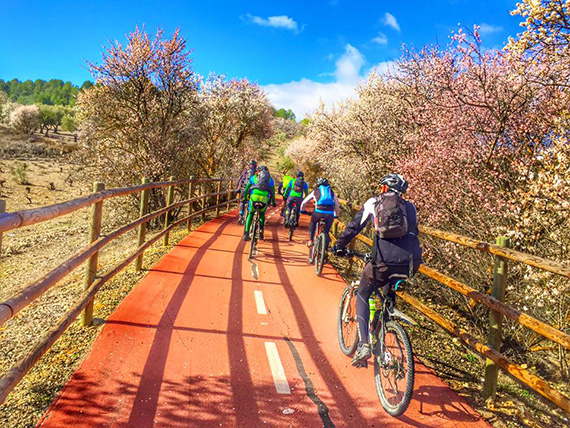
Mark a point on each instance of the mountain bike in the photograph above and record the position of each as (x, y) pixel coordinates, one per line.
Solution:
(255, 229)
(318, 252)
(290, 219)
(391, 347)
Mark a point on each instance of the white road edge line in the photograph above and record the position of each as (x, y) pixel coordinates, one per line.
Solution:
(281, 384)
(259, 302)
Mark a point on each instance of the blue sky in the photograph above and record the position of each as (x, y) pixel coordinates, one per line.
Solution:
(299, 51)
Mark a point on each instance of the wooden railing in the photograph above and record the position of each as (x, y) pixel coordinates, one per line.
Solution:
(490, 350)
(205, 200)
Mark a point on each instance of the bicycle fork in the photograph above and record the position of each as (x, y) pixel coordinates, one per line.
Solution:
(353, 287)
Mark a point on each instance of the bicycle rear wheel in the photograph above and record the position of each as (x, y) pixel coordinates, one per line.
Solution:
(254, 235)
(320, 254)
(347, 328)
(394, 370)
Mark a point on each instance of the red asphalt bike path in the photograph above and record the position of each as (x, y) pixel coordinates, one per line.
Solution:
(190, 347)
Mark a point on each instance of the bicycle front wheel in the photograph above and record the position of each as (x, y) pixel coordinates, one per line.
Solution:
(254, 236)
(320, 254)
(394, 369)
(347, 328)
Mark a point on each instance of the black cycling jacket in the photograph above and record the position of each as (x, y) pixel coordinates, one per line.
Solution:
(388, 251)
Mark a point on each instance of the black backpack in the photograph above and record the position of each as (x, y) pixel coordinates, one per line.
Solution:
(299, 185)
(391, 216)
(263, 180)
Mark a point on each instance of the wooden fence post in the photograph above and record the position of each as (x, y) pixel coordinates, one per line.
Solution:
(142, 228)
(94, 233)
(230, 188)
(2, 210)
(167, 215)
(495, 321)
(190, 205)
(218, 199)
(204, 192)
(351, 247)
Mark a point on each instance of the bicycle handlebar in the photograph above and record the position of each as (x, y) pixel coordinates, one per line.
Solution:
(365, 257)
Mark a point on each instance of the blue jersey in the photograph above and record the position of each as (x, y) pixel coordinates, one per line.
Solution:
(325, 200)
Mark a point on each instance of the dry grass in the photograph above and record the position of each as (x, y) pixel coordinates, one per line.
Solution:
(28, 254)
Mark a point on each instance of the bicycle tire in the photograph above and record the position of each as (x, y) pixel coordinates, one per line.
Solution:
(254, 235)
(347, 325)
(321, 254)
(404, 347)
(291, 230)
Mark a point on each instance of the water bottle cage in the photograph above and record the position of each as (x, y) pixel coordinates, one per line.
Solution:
(400, 285)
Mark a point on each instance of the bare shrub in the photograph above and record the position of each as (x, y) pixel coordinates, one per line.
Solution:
(25, 119)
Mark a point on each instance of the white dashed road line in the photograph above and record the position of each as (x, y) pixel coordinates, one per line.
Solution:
(260, 303)
(281, 384)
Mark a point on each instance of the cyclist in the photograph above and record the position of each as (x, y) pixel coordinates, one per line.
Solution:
(399, 254)
(296, 190)
(242, 182)
(326, 207)
(282, 186)
(259, 190)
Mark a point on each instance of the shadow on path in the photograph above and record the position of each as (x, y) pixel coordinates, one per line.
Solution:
(146, 401)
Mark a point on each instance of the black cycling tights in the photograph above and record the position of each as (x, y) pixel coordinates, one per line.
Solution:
(315, 218)
(365, 290)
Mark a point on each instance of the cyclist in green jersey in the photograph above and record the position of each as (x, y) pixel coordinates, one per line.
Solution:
(296, 190)
(281, 189)
(260, 190)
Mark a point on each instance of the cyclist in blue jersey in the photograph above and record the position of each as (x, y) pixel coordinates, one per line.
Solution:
(326, 207)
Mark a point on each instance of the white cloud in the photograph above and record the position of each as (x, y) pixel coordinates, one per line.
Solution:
(304, 96)
(281, 21)
(380, 39)
(348, 65)
(485, 29)
(390, 20)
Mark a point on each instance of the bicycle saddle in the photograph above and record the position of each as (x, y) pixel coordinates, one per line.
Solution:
(398, 276)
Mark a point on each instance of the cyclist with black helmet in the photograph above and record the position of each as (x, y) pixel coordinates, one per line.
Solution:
(294, 193)
(260, 191)
(396, 250)
(326, 207)
(242, 182)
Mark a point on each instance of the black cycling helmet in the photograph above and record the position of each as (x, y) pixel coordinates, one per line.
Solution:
(322, 182)
(300, 174)
(395, 182)
(261, 168)
(253, 163)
